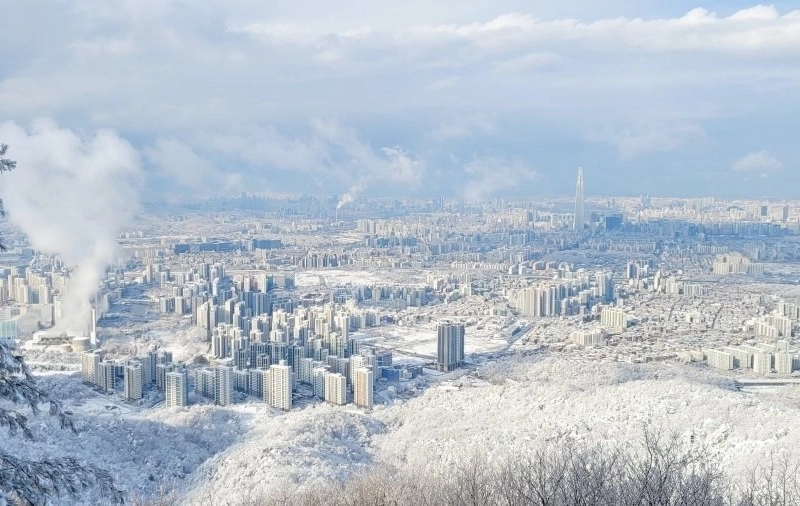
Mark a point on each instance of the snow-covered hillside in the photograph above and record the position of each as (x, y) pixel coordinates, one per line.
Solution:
(508, 405)
(225, 456)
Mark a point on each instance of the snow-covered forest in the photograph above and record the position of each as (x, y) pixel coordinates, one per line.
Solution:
(210, 455)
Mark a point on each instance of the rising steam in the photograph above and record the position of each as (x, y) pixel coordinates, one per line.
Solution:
(349, 197)
(71, 195)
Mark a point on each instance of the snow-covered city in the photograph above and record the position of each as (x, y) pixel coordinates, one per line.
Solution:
(428, 253)
(203, 359)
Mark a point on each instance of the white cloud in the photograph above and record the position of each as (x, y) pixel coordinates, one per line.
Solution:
(761, 28)
(493, 176)
(182, 166)
(537, 60)
(463, 126)
(363, 164)
(757, 162)
(239, 82)
(329, 156)
(647, 139)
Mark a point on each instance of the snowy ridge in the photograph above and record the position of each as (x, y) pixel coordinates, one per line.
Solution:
(211, 455)
(298, 449)
(514, 403)
(144, 451)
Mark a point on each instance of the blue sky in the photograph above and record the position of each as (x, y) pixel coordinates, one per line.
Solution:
(466, 99)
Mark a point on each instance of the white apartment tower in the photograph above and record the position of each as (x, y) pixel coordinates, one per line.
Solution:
(106, 376)
(614, 318)
(177, 389)
(318, 379)
(90, 365)
(335, 389)
(363, 387)
(280, 386)
(134, 380)
(223, 385)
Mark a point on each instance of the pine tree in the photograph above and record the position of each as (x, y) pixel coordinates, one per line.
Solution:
(34, 482)
(5, 166)
(25, 481)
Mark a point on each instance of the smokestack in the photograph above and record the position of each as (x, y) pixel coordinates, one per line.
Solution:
(93, 331)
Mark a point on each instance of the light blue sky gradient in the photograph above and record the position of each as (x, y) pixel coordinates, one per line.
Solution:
(466, 99)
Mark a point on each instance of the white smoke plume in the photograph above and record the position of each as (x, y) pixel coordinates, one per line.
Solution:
(350, 196)
(71, 195)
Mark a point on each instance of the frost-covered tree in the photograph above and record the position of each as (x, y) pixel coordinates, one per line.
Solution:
(26, 481)
(5, 166)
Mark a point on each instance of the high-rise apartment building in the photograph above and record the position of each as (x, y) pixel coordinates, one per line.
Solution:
(90, 365)
(614, 318)
(223, 385)
(134, 380)
(318, 380)
(335, 388)
(364, 384)
(177, 388)
(106, 376)
(450, 346)
(280, 386)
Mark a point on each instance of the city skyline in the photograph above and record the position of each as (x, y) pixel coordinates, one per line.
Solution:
(222, 335)
(453, 252)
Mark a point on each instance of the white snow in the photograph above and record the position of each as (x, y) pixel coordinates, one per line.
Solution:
(224, 455)
(514, 403)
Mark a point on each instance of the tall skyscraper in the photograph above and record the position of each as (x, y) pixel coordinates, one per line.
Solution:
(579, 216)
(280, 386)
(450, 346)
(177, 388)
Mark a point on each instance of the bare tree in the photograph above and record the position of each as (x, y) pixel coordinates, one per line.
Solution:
(664, 470)
(775, 482)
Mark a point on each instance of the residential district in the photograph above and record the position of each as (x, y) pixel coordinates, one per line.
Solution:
(291, 302)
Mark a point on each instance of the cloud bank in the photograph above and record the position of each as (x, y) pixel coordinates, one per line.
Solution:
(236, 90)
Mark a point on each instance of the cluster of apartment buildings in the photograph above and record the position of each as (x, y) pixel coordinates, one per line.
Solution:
(137, 374)
(572, 293)
(762, 358)
(735, 263)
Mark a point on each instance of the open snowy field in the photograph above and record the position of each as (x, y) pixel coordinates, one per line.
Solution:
(421, 339)
(333, 277)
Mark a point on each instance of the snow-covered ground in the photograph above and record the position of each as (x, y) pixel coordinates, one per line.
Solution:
(509, 404)
(420, 339)
(333, 277)
(222, 456)
(144, 449)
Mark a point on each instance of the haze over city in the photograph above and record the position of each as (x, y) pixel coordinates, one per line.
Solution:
(489, 253)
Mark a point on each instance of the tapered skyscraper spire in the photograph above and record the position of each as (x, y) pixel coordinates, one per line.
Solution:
(579, 221)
